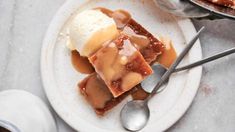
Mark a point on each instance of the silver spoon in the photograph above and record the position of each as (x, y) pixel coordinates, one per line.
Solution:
(135, 114)
(181, 8)
(159, 70)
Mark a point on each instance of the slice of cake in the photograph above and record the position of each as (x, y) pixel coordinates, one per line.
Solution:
(151, 50)
(120, 65)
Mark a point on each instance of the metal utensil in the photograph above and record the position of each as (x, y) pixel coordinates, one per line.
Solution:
(181, 8)
(208, 59)
(135, 114)
(159, 70)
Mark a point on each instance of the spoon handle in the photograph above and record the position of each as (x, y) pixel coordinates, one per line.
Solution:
(175, 64)
(208, 59)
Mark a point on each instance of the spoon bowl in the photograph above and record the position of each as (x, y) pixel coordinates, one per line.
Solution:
(149, 83)
(135, 114)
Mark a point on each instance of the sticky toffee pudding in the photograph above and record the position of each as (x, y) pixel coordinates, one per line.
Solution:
(118, 67)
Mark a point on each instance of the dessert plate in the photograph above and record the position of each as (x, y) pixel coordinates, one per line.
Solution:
(60, 78)
(215, 9)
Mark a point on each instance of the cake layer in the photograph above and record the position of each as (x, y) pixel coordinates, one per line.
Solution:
(98, 95)
(120, 65)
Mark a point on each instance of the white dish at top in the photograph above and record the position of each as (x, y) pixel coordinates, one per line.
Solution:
(60, 78)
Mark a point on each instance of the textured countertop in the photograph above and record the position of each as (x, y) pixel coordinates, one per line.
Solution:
(23, 24)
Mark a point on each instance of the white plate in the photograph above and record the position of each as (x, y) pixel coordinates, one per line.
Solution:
(60, 79)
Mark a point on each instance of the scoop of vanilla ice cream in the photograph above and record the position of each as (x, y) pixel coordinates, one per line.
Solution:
(90, 29)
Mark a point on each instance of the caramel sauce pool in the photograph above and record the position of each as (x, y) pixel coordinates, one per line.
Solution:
(105, 11)
(80, 63)
(169, 55)
(139, 94)
(120, 17)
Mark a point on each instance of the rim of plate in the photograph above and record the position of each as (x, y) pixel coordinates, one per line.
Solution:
(49, 83)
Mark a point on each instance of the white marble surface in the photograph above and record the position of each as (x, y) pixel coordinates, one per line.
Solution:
(23, 24)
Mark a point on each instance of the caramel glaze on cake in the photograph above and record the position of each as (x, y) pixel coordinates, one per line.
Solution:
(81, 63)
(120, 65)
(94, 88)
(153, 49)
(98, 95)
(228, 3)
